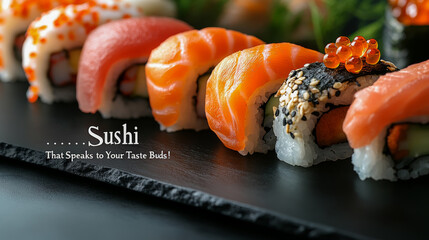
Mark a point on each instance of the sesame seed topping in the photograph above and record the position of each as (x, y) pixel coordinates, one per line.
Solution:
(306, 95)
(277, 112)
(287, 128)
(292, 136)
(299, 82)
(290, 122)
(314, 90)
(295, 87)
(285, 112)
(300, 74)
(304, 118)
(284, 121)
(337, 85)
(315, 113)
(337, 93)
(314, 82)
(293, 113)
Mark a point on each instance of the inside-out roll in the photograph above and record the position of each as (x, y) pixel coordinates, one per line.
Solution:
(312, 104)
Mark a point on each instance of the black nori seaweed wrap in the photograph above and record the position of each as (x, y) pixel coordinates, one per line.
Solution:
(404, 45)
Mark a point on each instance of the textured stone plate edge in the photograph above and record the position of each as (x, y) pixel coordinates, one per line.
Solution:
(178, 194)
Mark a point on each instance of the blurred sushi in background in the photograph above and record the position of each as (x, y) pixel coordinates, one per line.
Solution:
(406, 31)
(15, 17)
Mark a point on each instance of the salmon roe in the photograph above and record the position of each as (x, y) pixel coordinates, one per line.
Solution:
(372, 43)
(354, 64)
(331, 60)
(343, 53)
(357, 48)
(330, 48)
(372, 56)
(353, 54)
(342, 41)
(410, 12)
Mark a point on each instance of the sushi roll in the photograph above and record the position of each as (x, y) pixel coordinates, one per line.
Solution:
(313, 101)
(406, 31)
(51, 51)
(388, 126)
(237, 106)
(111, 76)
(15, 17)
(177, 72)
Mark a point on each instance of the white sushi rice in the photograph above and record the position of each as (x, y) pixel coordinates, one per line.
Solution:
(370, 161)
(254, 131)
(303, 149)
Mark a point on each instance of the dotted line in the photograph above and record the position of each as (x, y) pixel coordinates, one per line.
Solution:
(63, 143)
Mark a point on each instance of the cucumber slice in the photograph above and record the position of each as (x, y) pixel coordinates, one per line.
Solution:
(140, 88)
(201, 94)
(418, 140)
(269, 112)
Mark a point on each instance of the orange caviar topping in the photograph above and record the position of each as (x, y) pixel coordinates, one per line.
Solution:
(343, 53)
(331, 60)
(342, 41)
(410, 12)
(33, 54)
(354, 64)
(372, 43)
(31, 75)
(330, 48)
(372, 56)
(22, 8)
(352, 54)
(357, 48)
(32, 94)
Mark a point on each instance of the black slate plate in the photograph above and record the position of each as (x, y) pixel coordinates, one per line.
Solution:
(324, 202)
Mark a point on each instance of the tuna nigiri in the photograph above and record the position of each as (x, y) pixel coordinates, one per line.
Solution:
(178, 69)
(240, 86)
(387, 125)
(111, 75)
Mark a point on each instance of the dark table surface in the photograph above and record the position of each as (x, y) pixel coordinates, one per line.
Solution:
(324, 202)
(40, 203)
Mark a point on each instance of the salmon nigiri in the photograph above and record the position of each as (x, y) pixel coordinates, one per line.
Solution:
(387, 125)
(111, 71)
(178, 69)
(241, 84)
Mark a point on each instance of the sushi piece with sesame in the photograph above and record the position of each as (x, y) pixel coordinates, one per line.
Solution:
(313, 101)
(15, 17)
(51, 51)
(111, 76)
(387, 125)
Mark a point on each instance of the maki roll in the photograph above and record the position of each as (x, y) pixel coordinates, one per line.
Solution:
(406, 32)
(111, 76)
(51, 51)
(314, 100)
(177, 72)
(237, 106)
(15, 17)
(388, 126)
